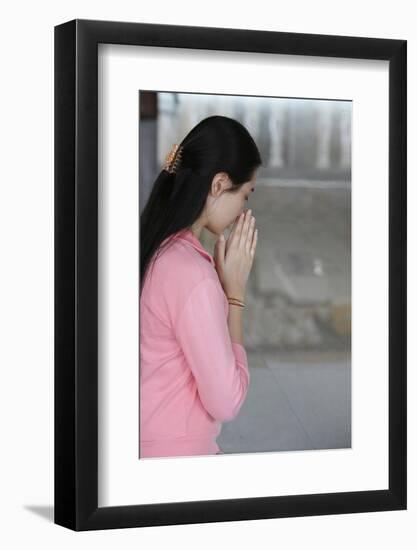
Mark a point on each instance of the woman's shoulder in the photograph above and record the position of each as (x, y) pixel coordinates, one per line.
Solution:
(184, 264)
(177, 269)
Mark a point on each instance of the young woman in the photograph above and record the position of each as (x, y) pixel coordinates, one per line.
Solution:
(193, 365)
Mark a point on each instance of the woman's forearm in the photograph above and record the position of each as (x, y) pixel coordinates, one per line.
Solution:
(235, 322)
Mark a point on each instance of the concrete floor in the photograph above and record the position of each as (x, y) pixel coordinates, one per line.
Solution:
(293, 403)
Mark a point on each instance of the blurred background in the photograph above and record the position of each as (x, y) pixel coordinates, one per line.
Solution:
(297, 323)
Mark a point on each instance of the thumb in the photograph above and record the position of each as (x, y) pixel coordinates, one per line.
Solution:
(221, 246)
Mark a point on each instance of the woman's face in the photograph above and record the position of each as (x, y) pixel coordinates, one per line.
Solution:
(223, 208)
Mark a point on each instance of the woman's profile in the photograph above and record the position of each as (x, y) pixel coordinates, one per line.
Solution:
(194, 371)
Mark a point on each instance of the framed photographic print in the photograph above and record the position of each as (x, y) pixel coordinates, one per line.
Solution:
(230, 274)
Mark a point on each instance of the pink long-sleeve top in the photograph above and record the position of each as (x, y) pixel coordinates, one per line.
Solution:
(192, 376)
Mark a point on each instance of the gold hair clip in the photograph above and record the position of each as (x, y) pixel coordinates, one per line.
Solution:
(173, 159)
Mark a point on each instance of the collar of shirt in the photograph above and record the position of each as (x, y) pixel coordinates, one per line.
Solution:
(188, 236)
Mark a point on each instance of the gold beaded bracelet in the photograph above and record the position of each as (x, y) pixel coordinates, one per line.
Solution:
(236, 302)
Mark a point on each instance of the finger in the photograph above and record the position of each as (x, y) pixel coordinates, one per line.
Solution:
(235, 235)
(254, 242)
(233, 229)
(220, 249)
(251, 231)
(245, 229)
(235, 221)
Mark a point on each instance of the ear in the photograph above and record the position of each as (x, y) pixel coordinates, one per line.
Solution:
(220, 182)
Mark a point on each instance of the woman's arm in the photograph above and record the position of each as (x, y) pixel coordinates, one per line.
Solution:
(219, 365)
(235, 323)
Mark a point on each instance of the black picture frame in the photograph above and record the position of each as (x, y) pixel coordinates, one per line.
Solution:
(76, 274)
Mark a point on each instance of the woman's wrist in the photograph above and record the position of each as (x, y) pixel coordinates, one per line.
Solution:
(234, 301)
(236, 295)
(236, 304)
(235, 322)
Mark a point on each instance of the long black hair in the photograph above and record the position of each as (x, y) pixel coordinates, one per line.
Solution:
(215, 144)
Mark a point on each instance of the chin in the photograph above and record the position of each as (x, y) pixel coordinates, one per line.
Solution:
(216, 232)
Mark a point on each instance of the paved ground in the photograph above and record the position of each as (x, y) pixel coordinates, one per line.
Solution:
(293, 403)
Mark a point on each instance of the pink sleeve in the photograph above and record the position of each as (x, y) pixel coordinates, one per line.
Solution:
(219, 365)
